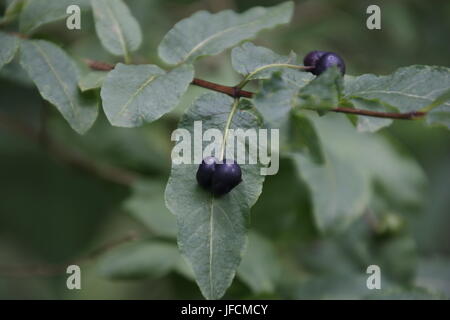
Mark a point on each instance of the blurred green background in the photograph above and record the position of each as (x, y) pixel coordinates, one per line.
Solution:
(52, 213)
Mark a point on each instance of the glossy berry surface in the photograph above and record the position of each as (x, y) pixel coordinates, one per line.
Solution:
(327, 61)
(311, 58)
(226, 176)
(205, 172)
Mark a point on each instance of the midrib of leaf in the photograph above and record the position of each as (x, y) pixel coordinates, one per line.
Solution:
(118, 31)
(268, 66)
(58, 79)
(134, 95)
(212, 37)
(227, 127)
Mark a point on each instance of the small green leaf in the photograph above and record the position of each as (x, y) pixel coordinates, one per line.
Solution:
(93, 80)
(258, 62)
(133, 95)
(140, 260)
(260, 268)
(438, 114)
(322, 93)
(118, 30)
(56, 76)
(148, 206)
(208, 34)
(37, 13)
(8, 48)
(212, 231)
(274, 98)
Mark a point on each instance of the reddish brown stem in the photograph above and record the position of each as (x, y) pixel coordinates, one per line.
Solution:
(391, 115)
(238, 93)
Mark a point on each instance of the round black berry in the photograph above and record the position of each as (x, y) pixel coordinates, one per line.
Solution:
(226, 176)
(205, 172)
(311, 58)
(328, 60)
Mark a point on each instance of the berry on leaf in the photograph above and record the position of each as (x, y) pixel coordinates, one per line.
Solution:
(327, 61)
(226, 176)
(205, 172)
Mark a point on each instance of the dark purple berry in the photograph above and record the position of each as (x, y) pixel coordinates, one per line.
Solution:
(328, 60)
(311, 58)
(205, 172)
(225, 177)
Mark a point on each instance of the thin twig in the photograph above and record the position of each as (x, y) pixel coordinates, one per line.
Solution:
(70, 157)
(235, 92)
(56, 269)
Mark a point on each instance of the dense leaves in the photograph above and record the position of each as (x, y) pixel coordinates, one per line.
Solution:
(341, 195)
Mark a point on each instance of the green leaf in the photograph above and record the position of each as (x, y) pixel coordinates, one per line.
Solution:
(212, 231)
(37, 13)
(12, 11)
(148, 206)
(93, 80)
(133, 95)
(208, 34)
(339, 191)
(56, 76)
(400, 177)
(322, 93)
(258, 62)
(407, 89)
(118, 30)
(260, 266)
(303, 137)
(8, 48)
(441, 115)
(139, 260)
(273, 100)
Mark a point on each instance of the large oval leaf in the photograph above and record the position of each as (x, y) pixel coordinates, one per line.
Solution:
(207, 34)
(118, 30)
(133, 95)
(212, 231)
(56, 76)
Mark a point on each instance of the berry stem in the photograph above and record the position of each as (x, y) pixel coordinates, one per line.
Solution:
(249, 77)
(237, 93)
(227, 127)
